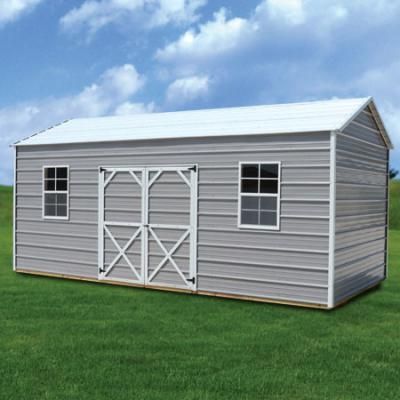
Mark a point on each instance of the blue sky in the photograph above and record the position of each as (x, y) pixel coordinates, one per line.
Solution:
(71, 58)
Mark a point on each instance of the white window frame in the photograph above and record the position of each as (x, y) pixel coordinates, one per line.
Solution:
(276, 227)
(44, 192)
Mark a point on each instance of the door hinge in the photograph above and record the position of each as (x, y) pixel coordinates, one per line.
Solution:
(101, 169)
(194, 168)
(102, 270)
(193, 280)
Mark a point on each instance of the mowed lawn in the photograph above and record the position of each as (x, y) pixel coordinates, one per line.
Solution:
(64, 339)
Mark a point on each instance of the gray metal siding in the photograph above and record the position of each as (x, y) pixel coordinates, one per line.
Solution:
(361, 206)
(291, 264)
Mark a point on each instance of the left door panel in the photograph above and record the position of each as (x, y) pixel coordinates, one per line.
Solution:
(121, 224)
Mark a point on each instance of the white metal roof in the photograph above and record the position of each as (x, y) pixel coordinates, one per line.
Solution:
(313, 116)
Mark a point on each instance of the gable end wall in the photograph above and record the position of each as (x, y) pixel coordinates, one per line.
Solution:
(361, 207)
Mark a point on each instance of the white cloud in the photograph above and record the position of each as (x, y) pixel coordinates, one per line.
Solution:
(129, 108)
(375, 80)
(93, 15)
(291, 11)
(110, 94)
(175, 11)
(187, 89)
(10, 10)
(122, 81)
(213, 38)
(391, 119)
(291, 50)
(378, 81)
(273, 23)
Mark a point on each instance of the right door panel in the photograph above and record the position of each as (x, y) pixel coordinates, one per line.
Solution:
(172, 214)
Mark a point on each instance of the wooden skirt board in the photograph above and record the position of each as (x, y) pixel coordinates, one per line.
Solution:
(200, 292)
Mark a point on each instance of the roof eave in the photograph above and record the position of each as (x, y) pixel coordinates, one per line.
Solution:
(21, 142)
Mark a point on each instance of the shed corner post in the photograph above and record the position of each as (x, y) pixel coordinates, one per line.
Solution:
(386, 272)
(332, 220)
(14, 238)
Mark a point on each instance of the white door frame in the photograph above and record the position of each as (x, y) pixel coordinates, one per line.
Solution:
(146, 229)
(103, 227)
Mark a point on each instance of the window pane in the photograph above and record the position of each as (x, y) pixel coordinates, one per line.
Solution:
(269, 170)
(50, 198)
(62, 184)
(250, 203)
(62, 172)
(268, 203)
(50, 210)
(249, 217)
(268, 218)
(49, 184)
(250, 171)
(61, 199)
(250, 185)
(61, 211)
(49, 173)
(268, 186)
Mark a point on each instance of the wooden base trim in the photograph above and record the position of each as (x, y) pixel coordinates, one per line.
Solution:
(171, 289)
(106, 281)
(263, 300)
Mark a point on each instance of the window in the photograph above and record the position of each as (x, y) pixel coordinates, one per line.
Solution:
(259, 195)
(55, 192)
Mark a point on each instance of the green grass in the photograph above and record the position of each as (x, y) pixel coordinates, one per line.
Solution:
(394, 210)
(61, 339)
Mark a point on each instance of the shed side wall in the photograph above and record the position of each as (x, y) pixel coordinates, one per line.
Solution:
(289, 265)
(361, 207)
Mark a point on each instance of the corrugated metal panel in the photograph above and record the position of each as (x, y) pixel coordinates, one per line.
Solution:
(296, 173)
(358, 237)
(268, 119)
(357, 176)
(272, 290)
(356, 251)
(358, 131)
(360, 207)
(363, 148)
(346, 208)
(289, 264)
(53, 265)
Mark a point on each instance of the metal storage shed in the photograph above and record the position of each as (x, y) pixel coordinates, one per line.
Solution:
(281, 203)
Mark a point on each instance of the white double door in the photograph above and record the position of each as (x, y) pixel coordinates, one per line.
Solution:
(148, 225)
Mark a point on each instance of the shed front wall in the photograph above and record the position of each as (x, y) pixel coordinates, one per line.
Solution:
(361, 207)
(288, 265)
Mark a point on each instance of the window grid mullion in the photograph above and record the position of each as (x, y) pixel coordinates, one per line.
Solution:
(273, 212)
(257, 194)
(56, 193)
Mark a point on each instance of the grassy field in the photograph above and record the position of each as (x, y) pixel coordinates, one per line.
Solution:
(61, 339)
(394, 210)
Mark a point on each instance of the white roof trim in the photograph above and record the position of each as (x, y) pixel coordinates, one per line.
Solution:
(381, 125)
(316, 116)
